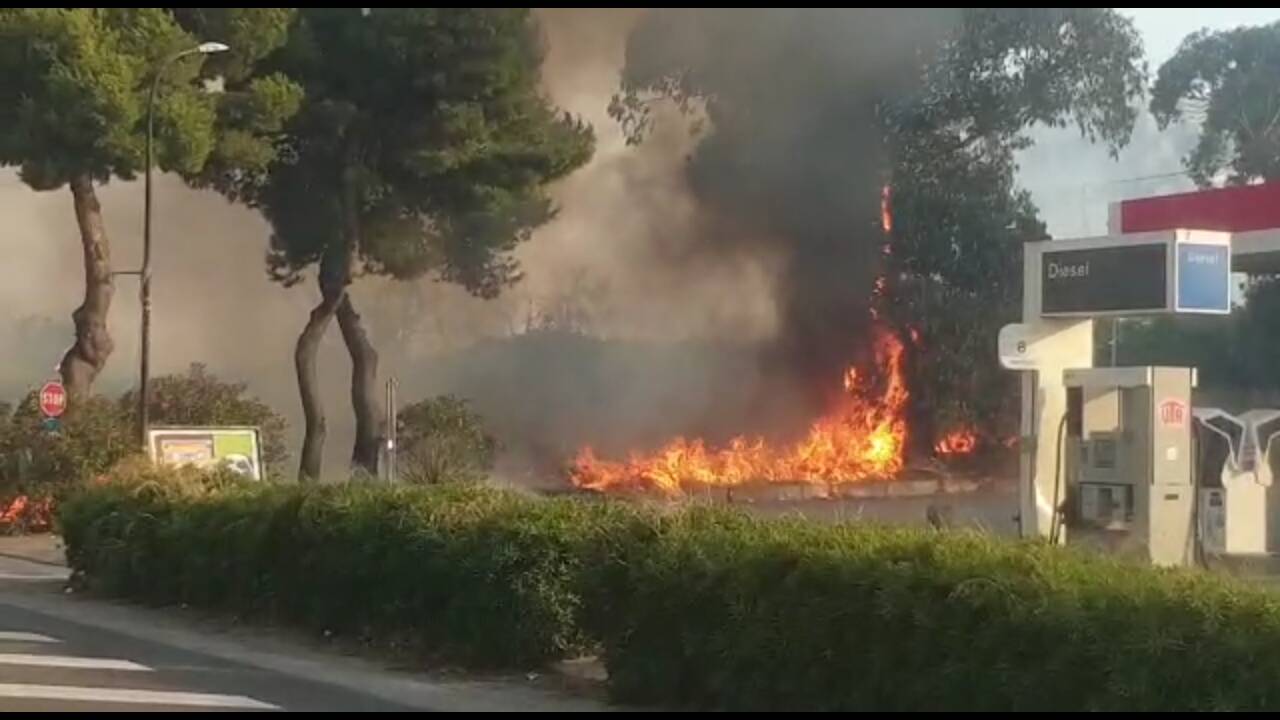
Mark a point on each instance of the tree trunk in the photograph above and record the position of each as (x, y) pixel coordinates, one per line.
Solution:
(364, 358)
(364, 387)
(922, 426)
(332, 291)
(86, 358)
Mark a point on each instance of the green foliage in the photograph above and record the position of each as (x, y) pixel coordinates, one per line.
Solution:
(76, 80)
(955, 264)
(719, 611)
(200, 398)
(442, 440)
(426, 127)
(97, 432)
(463, 574)
(696, 608)
(1008, 69)
(94, 434)
(1230, 82)
(1240, 352)
(954, 279)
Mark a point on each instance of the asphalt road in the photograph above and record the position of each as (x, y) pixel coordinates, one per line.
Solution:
(48, 663)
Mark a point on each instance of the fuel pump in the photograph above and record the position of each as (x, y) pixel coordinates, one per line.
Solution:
(1127, 462)
(1237, 502)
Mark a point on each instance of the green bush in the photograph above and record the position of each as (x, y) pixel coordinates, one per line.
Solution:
(96, 432)
(200, 398)
(93, 435)
(459, 573)
(721, 611)
(696, 608)
(441, 440)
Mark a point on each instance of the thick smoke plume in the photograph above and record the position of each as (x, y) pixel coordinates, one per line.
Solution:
(795, 147)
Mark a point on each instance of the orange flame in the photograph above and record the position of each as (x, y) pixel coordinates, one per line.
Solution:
(863, 438)
(886, 209)
(957, 442)
(24, 513)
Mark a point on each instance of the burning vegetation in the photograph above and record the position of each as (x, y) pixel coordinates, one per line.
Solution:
(862, 438)
(957, 442)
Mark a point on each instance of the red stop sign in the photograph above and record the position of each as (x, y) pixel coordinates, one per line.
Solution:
(53, 399)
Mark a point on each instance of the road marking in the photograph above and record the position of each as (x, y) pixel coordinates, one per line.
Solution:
(72, 693)
(68, 661)
(17, 636)
(33, 576)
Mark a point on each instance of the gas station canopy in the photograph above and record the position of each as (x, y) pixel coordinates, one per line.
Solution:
(1251, 213)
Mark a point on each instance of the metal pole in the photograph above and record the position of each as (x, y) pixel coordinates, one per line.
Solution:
(1115, 342)
(144, 370)
(392, 418)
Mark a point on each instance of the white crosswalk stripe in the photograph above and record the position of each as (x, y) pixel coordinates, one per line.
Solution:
(17, 691)
(69, 661)
(74, 693)
(26, 637)
(33, 576)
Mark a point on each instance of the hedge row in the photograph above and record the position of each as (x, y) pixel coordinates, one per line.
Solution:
(482, 578)
(700, 608)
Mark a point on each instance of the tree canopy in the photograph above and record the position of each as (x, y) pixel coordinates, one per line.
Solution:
(424, 147)
(74, 89)
(73, 97)
(1229, 81)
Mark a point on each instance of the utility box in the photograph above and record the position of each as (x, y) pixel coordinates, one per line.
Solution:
(1127, 467)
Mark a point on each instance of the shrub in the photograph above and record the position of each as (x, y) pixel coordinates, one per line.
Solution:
(694, 608)
(440, 440)
(96, 433)
(721, 611)
(465, 574)
(93, 435)
(201, 398)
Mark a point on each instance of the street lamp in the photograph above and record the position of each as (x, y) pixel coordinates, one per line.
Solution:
(144, 390)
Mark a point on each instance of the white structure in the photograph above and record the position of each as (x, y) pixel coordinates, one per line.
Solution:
(1111, 276)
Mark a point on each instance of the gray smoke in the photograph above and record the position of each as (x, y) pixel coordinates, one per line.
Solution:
(620, 262)
(649, 309)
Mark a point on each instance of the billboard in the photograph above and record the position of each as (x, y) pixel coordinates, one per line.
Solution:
(239, 448)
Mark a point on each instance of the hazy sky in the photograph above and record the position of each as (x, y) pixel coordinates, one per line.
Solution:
(1163, 28)
(1073, 181)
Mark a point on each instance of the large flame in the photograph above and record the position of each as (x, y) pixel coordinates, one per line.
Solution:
(863, 438)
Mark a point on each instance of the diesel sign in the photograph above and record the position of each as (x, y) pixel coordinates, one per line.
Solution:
(1067, 271)
(1106, 280)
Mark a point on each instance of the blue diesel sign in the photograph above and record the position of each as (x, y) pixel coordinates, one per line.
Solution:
(1204, 278)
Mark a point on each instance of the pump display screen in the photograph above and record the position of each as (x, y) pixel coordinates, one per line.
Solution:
(1128, 278)
(1104, 454)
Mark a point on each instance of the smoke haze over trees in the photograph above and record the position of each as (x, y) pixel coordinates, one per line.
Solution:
(698, 236)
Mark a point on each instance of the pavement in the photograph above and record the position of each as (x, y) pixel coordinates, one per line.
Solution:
(64, 652)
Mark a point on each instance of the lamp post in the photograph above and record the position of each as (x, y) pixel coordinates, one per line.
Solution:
(144, 390)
